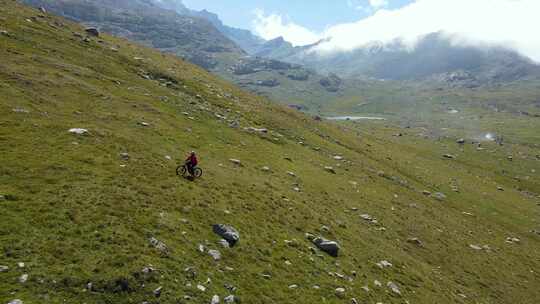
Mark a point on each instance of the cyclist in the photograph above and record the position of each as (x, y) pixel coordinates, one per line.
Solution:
(191, 162)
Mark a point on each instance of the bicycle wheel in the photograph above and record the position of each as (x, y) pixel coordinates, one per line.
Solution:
(181, 170)
(197, 172)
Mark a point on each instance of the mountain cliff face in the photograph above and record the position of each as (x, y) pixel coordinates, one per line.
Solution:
(193, 38)
(243, 38)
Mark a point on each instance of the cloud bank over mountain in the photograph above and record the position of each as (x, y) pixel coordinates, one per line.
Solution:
(511, 23)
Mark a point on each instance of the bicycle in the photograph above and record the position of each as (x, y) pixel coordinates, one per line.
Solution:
(182, 170)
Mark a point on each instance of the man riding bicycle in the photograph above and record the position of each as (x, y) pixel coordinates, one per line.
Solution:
(191, 162)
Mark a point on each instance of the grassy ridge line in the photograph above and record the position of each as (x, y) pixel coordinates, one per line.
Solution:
(78, 216)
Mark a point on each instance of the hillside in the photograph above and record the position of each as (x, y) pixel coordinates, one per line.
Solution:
(195, 36)
(101, 217)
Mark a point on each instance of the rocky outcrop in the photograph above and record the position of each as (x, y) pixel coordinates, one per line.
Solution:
(227, 232)
(331, 83)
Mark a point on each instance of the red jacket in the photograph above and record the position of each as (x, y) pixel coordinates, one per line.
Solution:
(193, 160)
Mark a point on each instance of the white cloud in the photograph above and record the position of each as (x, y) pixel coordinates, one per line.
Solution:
(376, 4)
(272, 26)
(512, 23)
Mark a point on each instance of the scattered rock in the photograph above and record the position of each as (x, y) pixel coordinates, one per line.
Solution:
(377, 283)
(330, 247)
(124, 156)
(16, 301)
(159, 245)
(291, 173)
(337, 157)
(449, 156)
(23, 278)
(144, 124)
(21, 264)
(513, 240)
(369, 218)
(216, 255)
(215, 300)
(224, 243)
(92, 31)
(265, 169)
(393, 287)
(235, 161)
(201, 288)
(384, 264)
(230, 234)
(157, 292)
(439, 196)
(340, 291)
(78, 131)
(460, 141)
(229, 299)
(330, 169)
(4, 268)
(20, 110)
(475, 247)
(415, 241)
(257, 130)
(366, 217)
(294, 286)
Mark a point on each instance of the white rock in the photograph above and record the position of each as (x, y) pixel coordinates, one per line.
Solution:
(337, 157)
(215, 300)
(201, 288)
(294, 286)
(4, 268)
(512, 240)
(475, 247)
(366, 217)
(16, 301)
(216, 255)
(393, 287)
(377, 283)
(78, 131)
(340, 290)
(265, 168)
(235, 161)
(330, 169)
(384, 264)
(229, 299)
(23, 278)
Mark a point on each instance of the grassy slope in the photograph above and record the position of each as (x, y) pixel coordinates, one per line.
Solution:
(75, 215)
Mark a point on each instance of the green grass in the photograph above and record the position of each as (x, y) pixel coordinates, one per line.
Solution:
(75, 212)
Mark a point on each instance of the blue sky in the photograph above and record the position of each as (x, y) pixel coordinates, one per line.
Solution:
(345, 25)
(315, 15)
